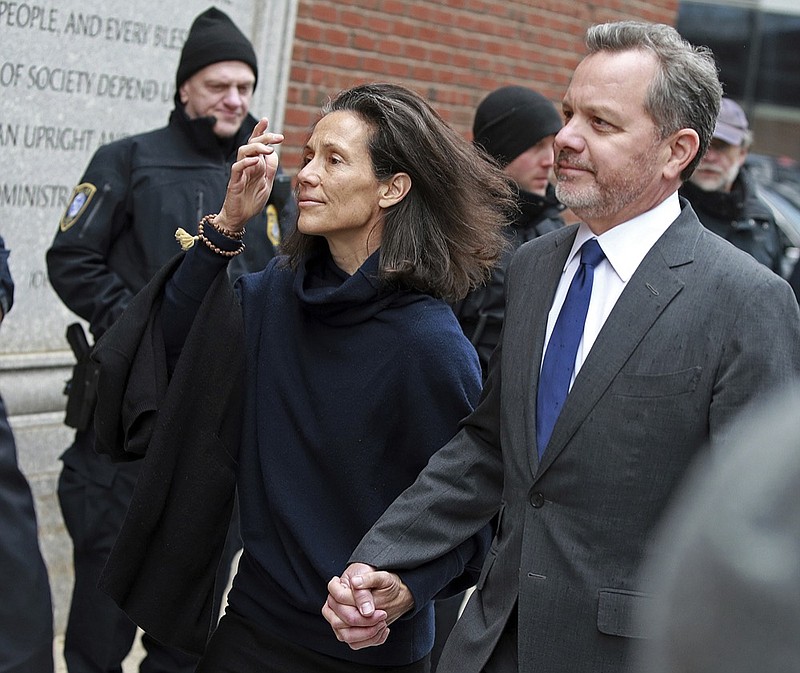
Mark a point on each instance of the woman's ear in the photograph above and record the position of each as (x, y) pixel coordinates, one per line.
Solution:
(394, 190)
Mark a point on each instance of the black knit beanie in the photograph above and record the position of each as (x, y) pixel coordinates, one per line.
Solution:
(512, 119)
(212, 38)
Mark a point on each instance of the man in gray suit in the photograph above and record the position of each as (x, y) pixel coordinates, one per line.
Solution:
(682, 330)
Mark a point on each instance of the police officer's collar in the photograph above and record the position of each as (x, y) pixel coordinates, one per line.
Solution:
(201, 132)
(531, 205)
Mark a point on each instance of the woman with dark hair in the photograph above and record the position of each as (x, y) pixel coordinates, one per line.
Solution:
(354, 371)
(441, 237)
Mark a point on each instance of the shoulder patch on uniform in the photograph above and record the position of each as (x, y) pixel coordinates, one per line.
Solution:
(81, 196)
(273, 226)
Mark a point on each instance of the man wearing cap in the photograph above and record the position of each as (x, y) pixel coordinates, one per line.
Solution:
(723, 195)
(117, 231)
(516, 126)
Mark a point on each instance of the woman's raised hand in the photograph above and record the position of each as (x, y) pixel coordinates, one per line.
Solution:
(251, 179)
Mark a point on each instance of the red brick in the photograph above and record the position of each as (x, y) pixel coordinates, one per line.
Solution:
(321, 11)
(455, 51)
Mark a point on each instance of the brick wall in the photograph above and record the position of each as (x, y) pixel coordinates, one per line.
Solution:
(452, 51)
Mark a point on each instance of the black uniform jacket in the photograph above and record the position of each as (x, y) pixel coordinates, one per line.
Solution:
(119, 227)
(481, 312)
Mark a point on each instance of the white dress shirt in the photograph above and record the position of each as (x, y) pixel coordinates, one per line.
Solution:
(625, 246)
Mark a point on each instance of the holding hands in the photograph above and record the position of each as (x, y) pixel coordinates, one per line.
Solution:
(363, 602)
(251, 179)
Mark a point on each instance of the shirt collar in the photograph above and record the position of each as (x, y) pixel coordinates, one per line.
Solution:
(626, 244)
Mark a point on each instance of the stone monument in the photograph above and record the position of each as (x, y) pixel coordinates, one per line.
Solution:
(75, 75)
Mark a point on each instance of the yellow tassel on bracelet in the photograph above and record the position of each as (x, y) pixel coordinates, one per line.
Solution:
(184, 238)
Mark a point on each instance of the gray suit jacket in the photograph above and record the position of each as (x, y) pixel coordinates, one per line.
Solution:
(699, 331)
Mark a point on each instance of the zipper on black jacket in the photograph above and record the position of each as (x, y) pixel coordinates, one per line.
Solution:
(106, 190)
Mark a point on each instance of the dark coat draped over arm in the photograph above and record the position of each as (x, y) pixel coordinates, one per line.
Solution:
(186, 430)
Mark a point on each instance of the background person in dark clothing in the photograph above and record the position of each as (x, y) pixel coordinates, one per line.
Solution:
(26, 612)
(516, 126)
(723, 195)
(117, 231)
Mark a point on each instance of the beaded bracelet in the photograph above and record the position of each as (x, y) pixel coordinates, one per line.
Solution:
(235, 235)
(225, 253)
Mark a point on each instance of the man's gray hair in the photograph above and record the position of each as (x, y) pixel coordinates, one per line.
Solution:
(686, 91)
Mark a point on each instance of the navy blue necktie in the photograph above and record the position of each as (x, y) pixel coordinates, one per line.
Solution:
(559, 360)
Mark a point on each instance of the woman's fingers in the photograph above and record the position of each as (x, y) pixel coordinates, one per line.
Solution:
(260, 135)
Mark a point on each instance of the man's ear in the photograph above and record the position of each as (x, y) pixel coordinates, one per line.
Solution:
(394, 190)
(683, 146)
(182, 95)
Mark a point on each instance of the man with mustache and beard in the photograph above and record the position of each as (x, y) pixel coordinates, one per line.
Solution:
(630, 341)
(723, 194)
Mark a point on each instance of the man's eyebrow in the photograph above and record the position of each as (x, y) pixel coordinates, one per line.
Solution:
(230, 80)
(607, 112)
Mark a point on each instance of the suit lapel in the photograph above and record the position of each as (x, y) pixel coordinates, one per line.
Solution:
(649, 291)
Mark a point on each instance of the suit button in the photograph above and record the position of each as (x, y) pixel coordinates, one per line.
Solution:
(537, 500)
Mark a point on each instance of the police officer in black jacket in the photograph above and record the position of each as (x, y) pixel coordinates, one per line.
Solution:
(26, 613)
(117, 231)
(516, 126)
(723, 194)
